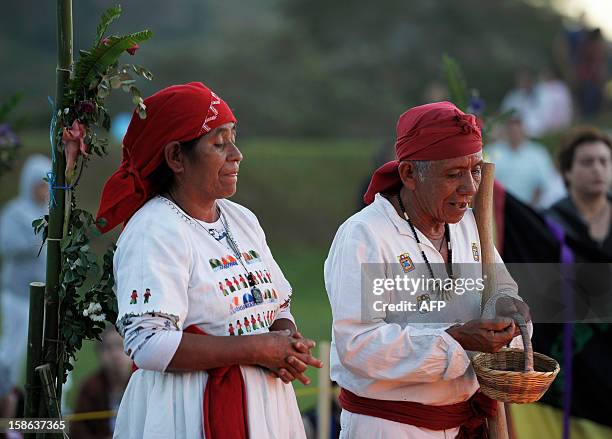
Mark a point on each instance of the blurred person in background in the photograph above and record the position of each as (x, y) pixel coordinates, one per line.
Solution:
(585, 214)
(524, 167)
(591, 73)
(555, 102)
(523, 100)
(19, 249)
(104, 389)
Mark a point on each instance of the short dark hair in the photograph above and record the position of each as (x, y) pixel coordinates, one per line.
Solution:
(574, 139)
(163, 177)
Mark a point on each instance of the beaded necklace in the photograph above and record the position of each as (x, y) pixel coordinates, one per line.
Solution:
(449, 264)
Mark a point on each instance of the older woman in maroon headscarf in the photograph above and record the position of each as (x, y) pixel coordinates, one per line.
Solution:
(400, 349)
(194, 276)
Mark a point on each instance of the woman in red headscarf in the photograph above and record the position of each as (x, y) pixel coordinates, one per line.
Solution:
(402, 278)
(194, 377)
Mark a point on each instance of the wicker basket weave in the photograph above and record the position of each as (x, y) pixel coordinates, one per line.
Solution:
(515, 375)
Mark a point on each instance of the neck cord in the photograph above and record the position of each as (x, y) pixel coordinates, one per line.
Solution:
(233, 246)
(449, 247)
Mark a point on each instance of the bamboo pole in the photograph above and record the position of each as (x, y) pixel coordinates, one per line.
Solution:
(52, 351)
(34, 353)
(51, 399)
(324, 399)
(483, 213)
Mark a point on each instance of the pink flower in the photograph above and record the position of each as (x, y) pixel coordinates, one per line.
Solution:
(132, 50)
(74, 144)
(105, 41)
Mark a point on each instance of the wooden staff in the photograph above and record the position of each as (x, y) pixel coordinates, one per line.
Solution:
(483, 213)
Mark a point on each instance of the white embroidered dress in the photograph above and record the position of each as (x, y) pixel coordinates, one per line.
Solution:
(170, 270)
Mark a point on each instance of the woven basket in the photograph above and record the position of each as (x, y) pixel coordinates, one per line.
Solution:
(515, 375)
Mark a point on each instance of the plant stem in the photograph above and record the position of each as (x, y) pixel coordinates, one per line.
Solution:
(53, 350)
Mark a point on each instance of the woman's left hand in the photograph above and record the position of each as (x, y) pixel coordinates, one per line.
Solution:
(298, 367)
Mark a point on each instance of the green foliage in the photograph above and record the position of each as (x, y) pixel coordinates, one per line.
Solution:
(455, 81)
(87, 300)
(110, 15)
(95, 75)
(103, 56)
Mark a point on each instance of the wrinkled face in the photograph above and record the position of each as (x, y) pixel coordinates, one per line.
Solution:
(212, 167)
(445, 191)
(591, 171)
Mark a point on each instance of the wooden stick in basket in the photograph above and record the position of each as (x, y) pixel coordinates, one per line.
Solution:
(483, 213)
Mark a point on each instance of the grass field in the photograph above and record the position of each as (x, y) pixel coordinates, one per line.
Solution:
(301, 190)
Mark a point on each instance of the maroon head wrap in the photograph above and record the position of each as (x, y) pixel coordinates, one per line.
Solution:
(429, 132)
(178, 113)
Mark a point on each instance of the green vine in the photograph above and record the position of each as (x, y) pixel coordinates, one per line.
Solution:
(86, 282)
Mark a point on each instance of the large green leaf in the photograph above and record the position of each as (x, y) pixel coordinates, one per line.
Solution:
(103, 56)
(110, 15)
(455, 81)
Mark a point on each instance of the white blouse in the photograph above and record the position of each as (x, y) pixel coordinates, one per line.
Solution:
(173, 271)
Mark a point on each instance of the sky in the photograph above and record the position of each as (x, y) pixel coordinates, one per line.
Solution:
(597, 12)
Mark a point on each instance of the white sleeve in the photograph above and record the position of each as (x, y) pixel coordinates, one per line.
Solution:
(152, 268)
(367, 345)
(151, 340)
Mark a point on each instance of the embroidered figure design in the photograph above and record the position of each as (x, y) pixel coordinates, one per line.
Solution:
(229, 285)
(406, 262)
(422, 302)
(243, 282)
(223, 290)
(239, 326)
(247, 325)
(147, 294)
(215, 264)
(475, 252)
(236, 283)
(134, 297)
(254, 323)
(231, 329)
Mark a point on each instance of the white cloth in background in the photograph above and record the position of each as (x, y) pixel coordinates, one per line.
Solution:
(555, 105)
(193, 279)
(21, 265)
(526, 105)
(400, 356)
(525, 170)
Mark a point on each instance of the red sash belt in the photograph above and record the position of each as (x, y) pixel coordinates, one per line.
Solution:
(224, 398)
(468, 415)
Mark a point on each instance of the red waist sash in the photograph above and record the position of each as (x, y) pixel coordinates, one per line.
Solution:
(469, 415)
(224, 398)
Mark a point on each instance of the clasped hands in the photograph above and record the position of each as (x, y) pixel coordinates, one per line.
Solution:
(490, 335)
(287, 356)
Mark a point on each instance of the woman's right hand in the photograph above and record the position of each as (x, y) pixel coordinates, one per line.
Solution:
(286, 355)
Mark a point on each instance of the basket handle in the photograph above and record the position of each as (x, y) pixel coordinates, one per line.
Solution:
(528, 349)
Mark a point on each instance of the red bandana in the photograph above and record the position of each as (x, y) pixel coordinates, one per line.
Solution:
(435, 131)
(178, 113)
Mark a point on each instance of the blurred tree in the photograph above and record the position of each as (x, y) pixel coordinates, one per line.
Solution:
(302, 67)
